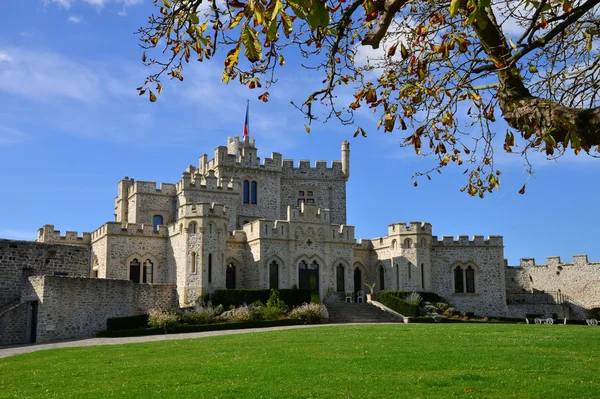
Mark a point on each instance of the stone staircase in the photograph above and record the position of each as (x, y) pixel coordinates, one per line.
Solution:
(340, 312)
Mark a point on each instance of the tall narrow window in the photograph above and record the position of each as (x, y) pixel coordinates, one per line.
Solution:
(246, 192)
(253, 194)
(340, 280)
(210, 268)
(470, 277)
(274, 275)
(157, 220)
(193, 228)
(381, 278)
(409, 266)
(397, 276)
(193, 262)
(459, 286)
(422, 275)
(148, 272)
(134, 271)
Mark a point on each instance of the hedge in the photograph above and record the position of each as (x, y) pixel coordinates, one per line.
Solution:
(237, 297)
(389, 299)
(127, 323)
(199, 328)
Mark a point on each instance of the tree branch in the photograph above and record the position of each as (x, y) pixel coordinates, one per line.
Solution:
(390, 8)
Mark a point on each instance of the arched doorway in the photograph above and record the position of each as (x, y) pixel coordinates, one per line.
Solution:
(308, 276)
(357, 280)
(230, 277)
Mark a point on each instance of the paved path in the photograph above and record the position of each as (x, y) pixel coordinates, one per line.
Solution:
(17, 350)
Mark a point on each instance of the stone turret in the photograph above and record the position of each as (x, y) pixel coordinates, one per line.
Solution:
(346, 158)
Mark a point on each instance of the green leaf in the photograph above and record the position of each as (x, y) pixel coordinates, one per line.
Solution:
(287, 24)
(454, 7)
(253, 48)
(194, 19)
(299, 7)
(318, 16)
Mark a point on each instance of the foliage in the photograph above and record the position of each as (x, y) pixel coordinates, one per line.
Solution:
(414, 298)
(489, 360)
(237, 297)
(392, 301)
(197, 315)
(275, 308)
(442, 73)
(126, 323)
(244, 313)
(309, 313)
(163, 319)
(371, 288)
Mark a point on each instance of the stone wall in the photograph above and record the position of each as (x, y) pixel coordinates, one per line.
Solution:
(71, 307)
(540, 310)
(578, 281)
(13, 324)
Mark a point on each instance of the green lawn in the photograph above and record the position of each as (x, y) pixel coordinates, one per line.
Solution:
(373, 361)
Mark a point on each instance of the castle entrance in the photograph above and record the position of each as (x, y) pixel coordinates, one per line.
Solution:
(357, 280)
(308, 276)
(33, 317)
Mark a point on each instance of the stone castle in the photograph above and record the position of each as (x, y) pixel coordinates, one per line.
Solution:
(236, 222)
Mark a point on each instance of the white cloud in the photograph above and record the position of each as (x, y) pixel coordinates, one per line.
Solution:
(94, 3)
(5, 57)
(75, 19)
(9, 136)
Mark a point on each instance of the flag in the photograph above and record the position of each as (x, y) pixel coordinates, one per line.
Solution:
(247, 122)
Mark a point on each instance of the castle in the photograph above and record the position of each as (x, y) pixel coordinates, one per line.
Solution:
(236, 222)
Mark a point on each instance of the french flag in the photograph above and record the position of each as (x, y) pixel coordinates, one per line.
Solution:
(247, 121)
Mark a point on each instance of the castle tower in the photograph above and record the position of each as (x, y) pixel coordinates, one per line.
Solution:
(122, 201)
(346, 158)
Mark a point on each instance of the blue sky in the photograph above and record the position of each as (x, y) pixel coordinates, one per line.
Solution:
(72, 125)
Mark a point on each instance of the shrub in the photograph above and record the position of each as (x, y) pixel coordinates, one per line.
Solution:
(414, 298)
(275, 308)
(309, 313)
(164, 319)
(237, 297)
(127, 323)
(242, 314)
(315, 298)
(442, 306)
(199, 315)
(389, 299)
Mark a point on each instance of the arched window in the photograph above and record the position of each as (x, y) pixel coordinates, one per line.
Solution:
(157, 220)
(274, 275)
(134, 270)
(246, 192)
(459, 286)
(210, 228)
(340, 280)
(210, 268)
(381, 278)
(193, 263)
(230, 277)
(393, 244)
(148, 276)
(253, 192)
(407, 243)
(470, 279)
(193, 228)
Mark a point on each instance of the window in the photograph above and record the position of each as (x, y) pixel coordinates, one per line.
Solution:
(157, 220)
(246, 192)
(310, 200)
(193, 263)
(422, 275)
(340, 286)
(193, 228)
(274, 275)
(309, 193)
(308, 276)
(397, 275)
(301, 193)
(230, 277)
(253, 193)
(459, 286)
(407, 243)
(210, 268)
(300, 201)
(148, 275)
(470, 277)
(306, 196)
(381, 278)
(134, 271)
(409, 266)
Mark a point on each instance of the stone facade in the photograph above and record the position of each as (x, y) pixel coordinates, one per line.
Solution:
(235, 221)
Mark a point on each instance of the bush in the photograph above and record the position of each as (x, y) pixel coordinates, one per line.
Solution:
(199, 315)
(243, 314)
(414, 298)
(309, 313)
(127, 323)
(228, 298)
(389, 299)
(163, 319)
(275, 308)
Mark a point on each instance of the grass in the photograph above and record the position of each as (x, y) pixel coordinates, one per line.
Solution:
(385, 361)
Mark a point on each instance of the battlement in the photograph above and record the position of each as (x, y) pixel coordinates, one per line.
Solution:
(364, 244)
(319, 170)
(150, 187)
(554, 261)
(246, 141)
(203, 209)
(209, 182)
(239, 154)
(308, 213)
(237, 236)
(449, 241)
(130, 229)
(265, 228)
(412, 227)
(47, 234)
